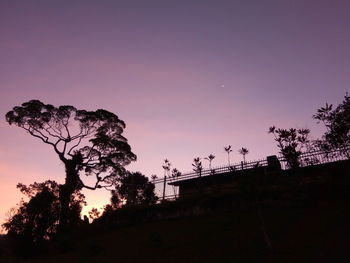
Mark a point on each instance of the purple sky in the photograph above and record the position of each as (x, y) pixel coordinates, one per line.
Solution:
(188, 77)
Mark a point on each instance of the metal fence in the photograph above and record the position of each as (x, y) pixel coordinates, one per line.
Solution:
(318, 156)
(308, 158)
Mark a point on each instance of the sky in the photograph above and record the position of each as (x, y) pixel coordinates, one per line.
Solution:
(187, 76)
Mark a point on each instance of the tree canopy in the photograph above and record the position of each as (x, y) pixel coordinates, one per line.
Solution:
(134, 188)
(291, 142)
(337, 123)
(87, 142)
(37, 219)
(93, 138)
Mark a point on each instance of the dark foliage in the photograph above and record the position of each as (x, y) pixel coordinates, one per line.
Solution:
(197, 166)
(94, 213)
(291, 142)
(36, 221)
(243, 151)
(87, 142)
(134, 188)
(337, 123)
(38, 218)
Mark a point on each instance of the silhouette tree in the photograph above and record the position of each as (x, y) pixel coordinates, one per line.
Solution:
(210, 158)
(134, 188)
(175, 173)
(94, 213)
(244, 152)
(166, 166)
(337, 123)
(291, 142)
(197, 166)
(114, 204)
(87, 142)
(154, 178)
(228, 150)
(37, 219)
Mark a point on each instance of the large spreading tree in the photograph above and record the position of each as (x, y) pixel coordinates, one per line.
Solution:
(87, 142)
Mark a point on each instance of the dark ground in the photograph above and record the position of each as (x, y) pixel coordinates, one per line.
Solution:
(309, 234)
(306, 218)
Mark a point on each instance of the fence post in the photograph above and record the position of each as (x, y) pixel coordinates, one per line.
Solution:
(164, 185)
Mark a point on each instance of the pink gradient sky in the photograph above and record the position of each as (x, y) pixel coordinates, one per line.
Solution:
(187, 77)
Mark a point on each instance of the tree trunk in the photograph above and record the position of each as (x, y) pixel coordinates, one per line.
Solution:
(65, 195)
(66, 192)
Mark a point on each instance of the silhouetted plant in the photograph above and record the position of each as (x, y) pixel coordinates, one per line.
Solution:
(115, 200)
(87, 142)
(166, 166)
(175, 173)
(244, 152)
(337, 123)
(94, 213)
(210, 158)
(154, 178)
(228, 150)
(37, 220)
(134, 188)
(197, 166)
(291, 142)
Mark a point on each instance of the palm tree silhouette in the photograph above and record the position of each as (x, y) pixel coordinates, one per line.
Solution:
(197, 166)
(175, 173)
(228, 150)
(210, 158)
(166, 166)
(154, 178)
(244, 152)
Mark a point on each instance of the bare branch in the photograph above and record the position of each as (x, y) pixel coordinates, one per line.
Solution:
(58, 133)
(64, 147)
(74, 146)
(51, 134)
(44, 138)
(87, 186)
(66, 128)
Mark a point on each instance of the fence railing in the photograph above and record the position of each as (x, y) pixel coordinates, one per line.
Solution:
(220, 170)
(318, 156)
(307, 158)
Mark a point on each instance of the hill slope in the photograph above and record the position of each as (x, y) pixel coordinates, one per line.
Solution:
(306, 234)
